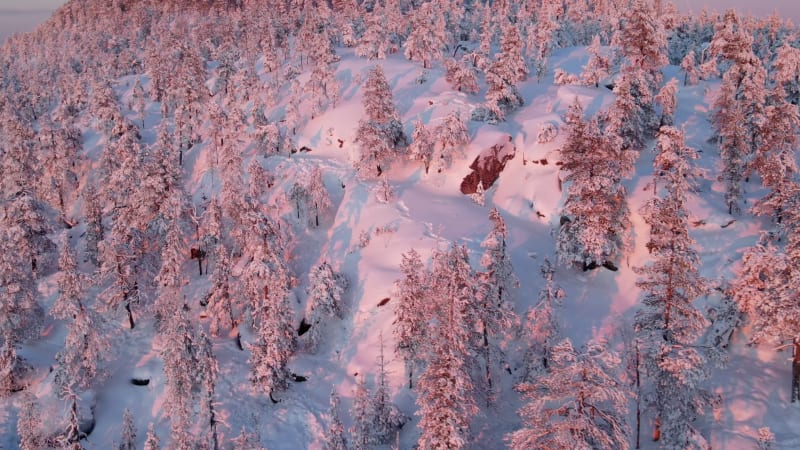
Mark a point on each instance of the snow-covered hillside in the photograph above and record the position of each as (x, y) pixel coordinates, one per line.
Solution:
(143, 139)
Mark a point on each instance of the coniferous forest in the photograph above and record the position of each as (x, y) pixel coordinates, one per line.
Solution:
(358, 224)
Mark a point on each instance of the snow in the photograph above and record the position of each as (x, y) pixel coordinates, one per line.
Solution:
(428, 212)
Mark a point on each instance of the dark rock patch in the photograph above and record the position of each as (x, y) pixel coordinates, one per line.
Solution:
(610, 266)
(487, 167)
(304, 327)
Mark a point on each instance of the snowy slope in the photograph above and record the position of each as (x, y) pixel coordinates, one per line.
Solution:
(427, 213)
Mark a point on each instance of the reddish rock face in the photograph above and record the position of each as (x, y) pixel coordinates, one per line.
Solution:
(487, 167)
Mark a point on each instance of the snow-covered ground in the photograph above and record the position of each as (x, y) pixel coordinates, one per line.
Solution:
(428, 212)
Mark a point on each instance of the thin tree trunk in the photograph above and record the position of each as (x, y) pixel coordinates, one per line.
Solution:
(212, 422)
(130, 314)
(638, 396)
(486, 357)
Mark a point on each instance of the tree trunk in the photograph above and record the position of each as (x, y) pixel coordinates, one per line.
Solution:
(130, 314)
(638, 404)
(486, 357)
(212, 423)
(657, 430)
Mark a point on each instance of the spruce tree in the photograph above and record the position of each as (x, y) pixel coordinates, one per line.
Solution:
(579, 404)
(669, 324)
(411, 316)
(335, 434)
(542, 329)
(362, 432)
(503, 75)
(446, 398)
(127, 440)
(495, 314)
(380, 136)
(595, 220)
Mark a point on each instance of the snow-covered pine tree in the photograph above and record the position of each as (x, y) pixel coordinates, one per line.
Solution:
(691, 76)
(598, 66)
(542, 35)
(19, 163)
(632, 116)
(446, 398)
(325, 301)
(387, 418)
(335, 434)
(764, 289)
(13, 368)
(127, 439)
(384, 192)
(29, 423)
(180, 355)
(774, 160)
(169, 278)
(461, 75)
(428, 37)
(94, 223)
(122, 264)
(151, 442)
(119, 164)
(319, 201)
(643, 43)
(207, 379)
(71, 285)
(266, 287)
(138, 100)
(322, 83)
(739, 114)
(86, 346)
(734, 147)
(496, 316)
(579, 404)
(362, 433)
(411, 314)
(298, 196)
(669, 324)
(26, 214)
(542, 328)
(504, 73)
(643, 40)
(786, 71)
(246, 440)
(211, 226)
(266, 133)
(452, 137)
(380, 136)
(667, 98)
(222, 311)
(259, 181)
(71, 438)
(373, 43)
(58, 156)
(422, 145)
(594, 222)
